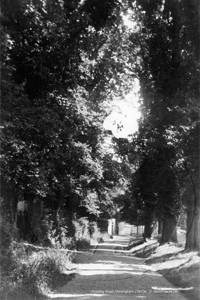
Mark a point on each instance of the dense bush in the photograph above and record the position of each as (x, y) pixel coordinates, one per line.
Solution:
(35, 270)
(85, 232)
(32, 273)
(41, 270)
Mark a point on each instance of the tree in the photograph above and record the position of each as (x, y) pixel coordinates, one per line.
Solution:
(168, 75)
(56, 64)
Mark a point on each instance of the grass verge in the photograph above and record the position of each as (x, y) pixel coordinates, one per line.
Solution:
(32, 274)
(180, 267)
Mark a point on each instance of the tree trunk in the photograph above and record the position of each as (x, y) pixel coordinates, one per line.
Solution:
(169, 231)
(9, 200)
(193, 226)
(35, 216)
(22, 224)
(160, 225)
(150, 220)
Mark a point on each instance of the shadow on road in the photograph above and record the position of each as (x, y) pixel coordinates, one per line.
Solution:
(109, 277)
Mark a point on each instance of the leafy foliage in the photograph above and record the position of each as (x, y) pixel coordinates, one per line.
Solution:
(168, 70)
(60, 61)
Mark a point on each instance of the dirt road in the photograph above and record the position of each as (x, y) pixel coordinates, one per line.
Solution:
(106, 276)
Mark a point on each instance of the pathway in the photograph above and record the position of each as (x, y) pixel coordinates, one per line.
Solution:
(103, 275)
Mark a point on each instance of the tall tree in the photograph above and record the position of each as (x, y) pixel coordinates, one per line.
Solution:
(59, 60)
(169, 72)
